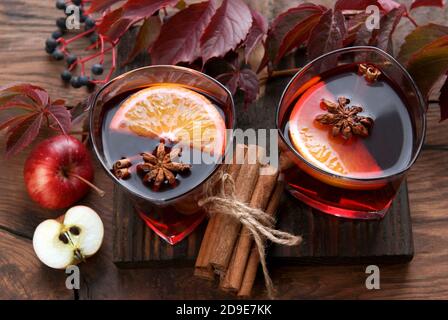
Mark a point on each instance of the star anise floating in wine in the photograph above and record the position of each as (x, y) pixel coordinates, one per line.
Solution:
(159, 168)
(369, 71)
(344, 120)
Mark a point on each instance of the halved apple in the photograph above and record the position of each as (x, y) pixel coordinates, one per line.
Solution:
(69, 239)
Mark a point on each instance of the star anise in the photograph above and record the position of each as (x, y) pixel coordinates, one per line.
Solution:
(344, 119)
(160, 167)
(369, 71)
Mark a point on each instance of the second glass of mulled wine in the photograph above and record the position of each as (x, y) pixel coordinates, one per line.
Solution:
(351, 123)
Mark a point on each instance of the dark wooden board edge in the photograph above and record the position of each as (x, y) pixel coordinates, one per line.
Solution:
(396, 253)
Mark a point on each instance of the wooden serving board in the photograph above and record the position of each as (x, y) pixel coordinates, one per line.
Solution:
(327, 240)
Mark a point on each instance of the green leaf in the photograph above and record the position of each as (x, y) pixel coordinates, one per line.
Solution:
(420, 37)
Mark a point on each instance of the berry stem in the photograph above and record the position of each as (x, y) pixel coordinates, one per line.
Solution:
(74, 38)
(93, 56)
(411, 19)
(102, 48)
(100, 192)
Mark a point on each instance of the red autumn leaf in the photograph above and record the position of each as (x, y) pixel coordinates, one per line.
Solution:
(444, 101)
(115, 23)
(59, 116)
(384, 5)
(429, 64)
(327, 35)
(290, 30)
(101, 5)
(22, 134)
(257, 31)
(355, 24)
(228, 27)
(180, 36)
(246, 80)
(382, 37)
(12, 120)
(147, 34)
(427, 3)
(419, 38)
(389, 5)
(32, 105)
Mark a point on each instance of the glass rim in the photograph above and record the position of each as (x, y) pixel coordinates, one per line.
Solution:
(94, 98)
(420, 98)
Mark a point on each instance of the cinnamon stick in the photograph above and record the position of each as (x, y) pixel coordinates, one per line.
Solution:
(265, 185)
(229, 227)
(254, 259)
(203, 268)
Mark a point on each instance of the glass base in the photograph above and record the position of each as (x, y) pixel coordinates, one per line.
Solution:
(338, 211)
(169, 224)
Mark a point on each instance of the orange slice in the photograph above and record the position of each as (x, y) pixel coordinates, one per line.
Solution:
(173, 113)
(317, 145)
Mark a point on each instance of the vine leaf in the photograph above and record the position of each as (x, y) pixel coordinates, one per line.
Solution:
(228, 27)
(429, 64)
(327, 35)
(384, 5)
(245, 79)
(419, 38)
(115, 23)
(356, 27)
(146, 36)
(27, 107)
(101, 5)
(179, 37)
(382, 38)
(290, 30)
(257, 31)
(427, 3)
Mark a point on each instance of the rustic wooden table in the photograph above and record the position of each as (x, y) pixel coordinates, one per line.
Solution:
(24, 25)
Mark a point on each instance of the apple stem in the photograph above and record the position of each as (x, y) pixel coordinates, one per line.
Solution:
(100, 192)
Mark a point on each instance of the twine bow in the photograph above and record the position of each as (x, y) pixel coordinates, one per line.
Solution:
(259, 223)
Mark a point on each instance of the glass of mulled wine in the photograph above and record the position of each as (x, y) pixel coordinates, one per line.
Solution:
(351, 123)
(161, 133)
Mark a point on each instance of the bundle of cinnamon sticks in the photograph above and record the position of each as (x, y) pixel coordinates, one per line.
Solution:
(228, 250)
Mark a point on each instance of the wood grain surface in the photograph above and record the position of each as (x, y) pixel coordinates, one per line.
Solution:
(24, 25)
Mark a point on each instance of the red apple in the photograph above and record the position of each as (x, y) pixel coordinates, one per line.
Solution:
(58, 172)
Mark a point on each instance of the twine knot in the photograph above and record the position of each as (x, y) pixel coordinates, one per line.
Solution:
(259, 223)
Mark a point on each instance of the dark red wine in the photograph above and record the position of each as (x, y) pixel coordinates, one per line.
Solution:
(387, 150)
(118, 145)
(390, 141)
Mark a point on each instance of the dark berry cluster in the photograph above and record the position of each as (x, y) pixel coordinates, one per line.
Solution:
(56, 45)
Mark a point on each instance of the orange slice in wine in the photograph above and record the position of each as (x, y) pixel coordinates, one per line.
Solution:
(316, 144)
(173, 113)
